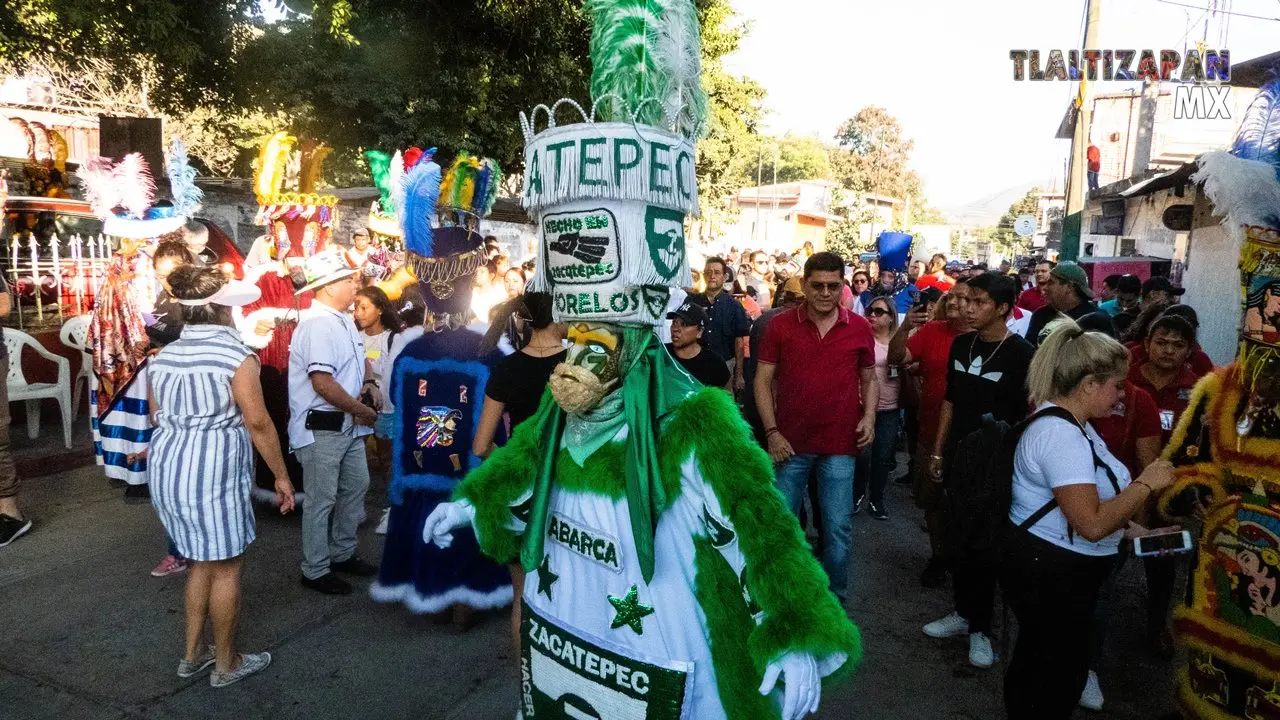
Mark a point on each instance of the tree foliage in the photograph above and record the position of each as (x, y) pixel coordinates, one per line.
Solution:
(736, 107)
(361, 73)
(1002, 236)
(193, 42)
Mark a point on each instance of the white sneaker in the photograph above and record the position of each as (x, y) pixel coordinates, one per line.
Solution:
(382, 524)
(950, 626)
(1091, 697)
(980, 653)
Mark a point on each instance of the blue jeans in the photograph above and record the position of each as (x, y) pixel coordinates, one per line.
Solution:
(835, 498)
(876, 464)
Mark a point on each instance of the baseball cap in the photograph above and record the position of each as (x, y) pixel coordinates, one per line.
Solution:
(1072, 274)
(690, 314)
(793, 286)
(1161, 284)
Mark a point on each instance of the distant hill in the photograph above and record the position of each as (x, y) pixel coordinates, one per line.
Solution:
(987, 210)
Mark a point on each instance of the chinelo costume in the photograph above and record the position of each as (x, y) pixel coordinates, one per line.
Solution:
(388, 173)
(123, 195)
(437, 388)
(1227, 452)
(299, 223)
(665, 576)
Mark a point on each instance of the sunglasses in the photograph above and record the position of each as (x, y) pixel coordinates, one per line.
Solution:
(877, 312)
(825, 287)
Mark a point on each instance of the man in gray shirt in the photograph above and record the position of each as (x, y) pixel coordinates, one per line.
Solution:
(328, 374)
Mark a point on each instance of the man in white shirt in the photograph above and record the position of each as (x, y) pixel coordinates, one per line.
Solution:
(328, 374)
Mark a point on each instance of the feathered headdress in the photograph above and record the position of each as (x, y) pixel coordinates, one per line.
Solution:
(471, 185)
(285, 177)
(1244, 183)
(422, 190)
(273, 161)
(122, 195)
(182, 181)
(380, 169)
(1244, 186)
(646, 58)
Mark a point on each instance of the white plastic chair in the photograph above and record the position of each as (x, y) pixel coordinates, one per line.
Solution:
(33, 393)
(74, 334)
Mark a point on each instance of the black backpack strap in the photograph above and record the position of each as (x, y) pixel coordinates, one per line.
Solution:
(1038, 515)
(1064, 414)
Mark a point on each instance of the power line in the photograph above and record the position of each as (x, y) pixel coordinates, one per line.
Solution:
(1224, 12)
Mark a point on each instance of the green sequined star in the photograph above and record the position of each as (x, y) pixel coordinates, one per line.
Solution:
(546, 578)
(630, 611)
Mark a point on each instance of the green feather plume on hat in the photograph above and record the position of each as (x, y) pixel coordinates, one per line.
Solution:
(648, 53)
(380, 169)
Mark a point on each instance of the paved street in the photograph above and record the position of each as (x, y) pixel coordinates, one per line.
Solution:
(88, 634)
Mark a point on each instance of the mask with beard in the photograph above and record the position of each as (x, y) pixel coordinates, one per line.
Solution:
(592, 370)
(576, 389)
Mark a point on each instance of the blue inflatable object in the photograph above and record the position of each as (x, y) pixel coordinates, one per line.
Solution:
(895, 250)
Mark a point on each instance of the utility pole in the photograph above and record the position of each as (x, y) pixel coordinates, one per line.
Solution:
(755, 231)
(1076, 178)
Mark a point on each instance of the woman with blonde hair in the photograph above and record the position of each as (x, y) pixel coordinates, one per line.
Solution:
(1071, 501)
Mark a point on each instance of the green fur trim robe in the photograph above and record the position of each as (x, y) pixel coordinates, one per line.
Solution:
(734, 586)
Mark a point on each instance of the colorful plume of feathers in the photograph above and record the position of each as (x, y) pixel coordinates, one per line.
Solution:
(396, 175)
(412, 156)
(422, 191)
(137, 189)
(380, 169)
(126, 184)
(1244, 184)
(272, 165)
(1259, 134)
(646, 57)
(471, 185)
(312, 162)
(182, 181)
(98, 180)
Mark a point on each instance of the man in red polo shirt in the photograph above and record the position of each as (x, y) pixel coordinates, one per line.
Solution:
(1034, 299)
(823, 359)
(1167, 377)
(1165, 373)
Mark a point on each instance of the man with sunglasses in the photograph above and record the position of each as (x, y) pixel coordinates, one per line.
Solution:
(757, 278)
(726, 327)
(822, 411)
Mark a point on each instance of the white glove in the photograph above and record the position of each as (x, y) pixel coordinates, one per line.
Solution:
(446, 518)
(803, 687)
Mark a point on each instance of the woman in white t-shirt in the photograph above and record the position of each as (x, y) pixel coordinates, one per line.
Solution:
(1072, 500)
(379, 323)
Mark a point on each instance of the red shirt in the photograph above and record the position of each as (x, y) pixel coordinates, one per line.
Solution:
(944, 283)
(1032, 299)
(1199, 361)
(1134, 417)
(1171, 400)
(931, 345)
(819, 396)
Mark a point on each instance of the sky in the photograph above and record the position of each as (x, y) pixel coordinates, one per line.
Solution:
(942, 68)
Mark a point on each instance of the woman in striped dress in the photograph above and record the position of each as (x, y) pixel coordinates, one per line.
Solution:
(208, 406)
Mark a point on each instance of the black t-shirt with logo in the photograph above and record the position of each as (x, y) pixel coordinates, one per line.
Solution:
(706, 367)
(986, 378)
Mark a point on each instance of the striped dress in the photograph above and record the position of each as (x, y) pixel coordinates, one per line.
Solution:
(201, 458)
